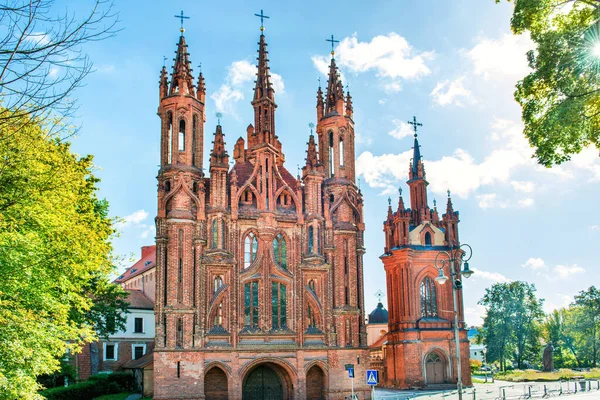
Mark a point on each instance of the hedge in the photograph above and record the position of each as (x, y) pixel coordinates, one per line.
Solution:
(96, 385)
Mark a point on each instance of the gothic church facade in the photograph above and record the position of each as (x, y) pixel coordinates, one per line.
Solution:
(420, 348)
(259, 273)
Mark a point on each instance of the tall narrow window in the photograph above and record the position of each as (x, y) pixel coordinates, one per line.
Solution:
(218, 321)
(251, 304)
(331, 169)
(194, 139)
(311, 317)
(170, 144)
(179, 341)
(278, 306)
(215, 236)
(428, 298)
(180, 271)
(311, 232)
(181, 135)
(341, 152)
(223, 235)
(280, 250)
(250, 249)
(218, 282)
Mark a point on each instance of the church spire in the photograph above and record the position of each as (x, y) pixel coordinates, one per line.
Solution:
(335, 90)
(264, 99)
(181, 78)
(311, 152)
(219, 156)
(417, 182)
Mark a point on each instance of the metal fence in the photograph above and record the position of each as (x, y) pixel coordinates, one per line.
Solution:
(502, 391)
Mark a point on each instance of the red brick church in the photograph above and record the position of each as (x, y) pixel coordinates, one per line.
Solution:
(259, 273)
(419, 348)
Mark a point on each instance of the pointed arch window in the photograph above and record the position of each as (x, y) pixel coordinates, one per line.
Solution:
(341, 152)
(311, 243)
(280, 250)
(170, 138)
(428, 298)
(218, 282)
(251, 304)
(311, 317)
(215, 234)
(278, 306)
(427, 239)
(223, 237)
(250, 249)
(181, 135)
(194, 134)
(331, 169)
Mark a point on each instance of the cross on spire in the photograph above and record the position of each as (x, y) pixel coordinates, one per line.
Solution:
(219, 115)
(181, 17)
(379, 294)
(311, 126)
(333, 42)
(262, 17)
(415, 124)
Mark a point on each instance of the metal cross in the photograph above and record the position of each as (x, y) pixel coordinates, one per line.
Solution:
(219, 115)
(379, 294)
(181, 17)
(400, 191)
(333, 42)
(448, 193)
(311, 126)
(164, 60)
(262, 17)
(414, 123)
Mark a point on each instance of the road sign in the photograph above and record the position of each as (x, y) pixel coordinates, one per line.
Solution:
(372, 377)
(351, 372)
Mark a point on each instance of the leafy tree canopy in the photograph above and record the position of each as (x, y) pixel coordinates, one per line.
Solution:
(55, 257)
(560, 98)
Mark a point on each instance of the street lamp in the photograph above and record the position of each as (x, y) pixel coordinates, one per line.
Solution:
(450, 257)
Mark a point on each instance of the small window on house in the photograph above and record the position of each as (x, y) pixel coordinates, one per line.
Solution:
(110, 352)
(138, 325)
(138, 351)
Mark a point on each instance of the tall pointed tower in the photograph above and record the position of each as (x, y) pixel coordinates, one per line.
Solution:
(259, 272)
(420, 346)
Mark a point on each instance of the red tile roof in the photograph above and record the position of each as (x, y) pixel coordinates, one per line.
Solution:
(147, 262)
(137, 299)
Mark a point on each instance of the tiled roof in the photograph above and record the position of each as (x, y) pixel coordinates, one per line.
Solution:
(148, 261)
(140, 362)
(139, 300)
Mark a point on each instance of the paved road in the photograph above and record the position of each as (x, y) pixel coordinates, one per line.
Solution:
(498, 389)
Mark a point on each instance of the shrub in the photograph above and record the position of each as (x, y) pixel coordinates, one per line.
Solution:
(475, 365)
(96, 385)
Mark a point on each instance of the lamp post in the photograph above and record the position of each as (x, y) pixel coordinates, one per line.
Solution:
(456, 253)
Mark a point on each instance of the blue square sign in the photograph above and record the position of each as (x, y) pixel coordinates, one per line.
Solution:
(372, 377)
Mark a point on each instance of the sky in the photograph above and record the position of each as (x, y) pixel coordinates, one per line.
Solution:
(453, 65)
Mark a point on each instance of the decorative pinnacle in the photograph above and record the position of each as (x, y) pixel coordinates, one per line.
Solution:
(379, 294)
(390, 201)
(415, 124)
(164, 61)
(434, 203)
(181, 17)
(319, 79)
(219, 115)
(333, 41)
(262, 17)
(200, 67)
(311, 126)
(448, 193)
(400, 191)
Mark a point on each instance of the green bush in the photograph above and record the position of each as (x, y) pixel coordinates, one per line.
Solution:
(96, 385)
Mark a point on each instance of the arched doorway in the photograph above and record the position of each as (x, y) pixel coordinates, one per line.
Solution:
(315, 382)
(267, 382)
(215, 385)
(435, 368)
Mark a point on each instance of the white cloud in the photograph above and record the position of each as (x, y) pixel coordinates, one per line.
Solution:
(588, 160)
(594, 227)
(564, 271)
(39, 38)
(495, 277)
(451, 92)
(391, 57)
(381, 101)
(475, 315)
(535, 263)
(106, 68)
(147, 231)
(490, 200)
(401, 129)
(383, 171)
(134, 218)
(523, 186)
(501, 58)
(239, 74)
(528, 202)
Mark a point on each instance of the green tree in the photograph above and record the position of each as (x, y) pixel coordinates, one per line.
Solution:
(55, 257)
(560, 98)
(587, 320)
(512, 325)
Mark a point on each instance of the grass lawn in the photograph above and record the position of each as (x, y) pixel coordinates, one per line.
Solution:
(531, 375)
(479, 380)
(117, 396)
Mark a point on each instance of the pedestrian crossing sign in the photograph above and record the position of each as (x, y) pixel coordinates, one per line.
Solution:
(372, 378)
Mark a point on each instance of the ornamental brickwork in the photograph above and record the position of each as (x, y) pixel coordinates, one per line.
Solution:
(420, 349)
(259, 273)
